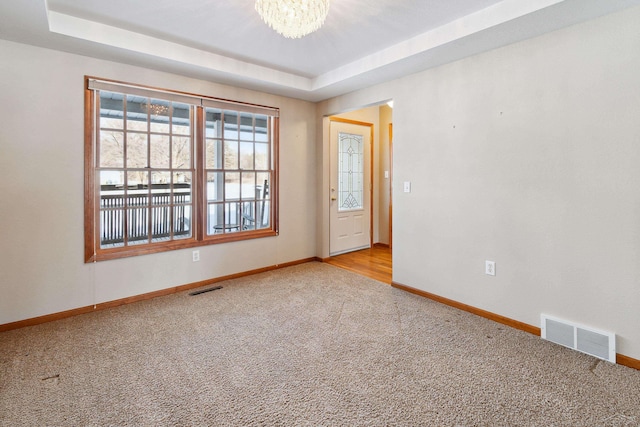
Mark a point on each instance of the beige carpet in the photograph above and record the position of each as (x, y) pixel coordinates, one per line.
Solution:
(310, 345)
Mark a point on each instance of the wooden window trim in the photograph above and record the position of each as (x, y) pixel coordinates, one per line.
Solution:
(92, 250)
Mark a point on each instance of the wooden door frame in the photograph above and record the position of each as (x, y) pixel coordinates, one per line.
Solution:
(390, 185)
(371, 181)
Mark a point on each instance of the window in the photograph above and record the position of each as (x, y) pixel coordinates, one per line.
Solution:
(166, 170)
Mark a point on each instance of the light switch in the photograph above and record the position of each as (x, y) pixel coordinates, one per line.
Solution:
(386, 174)
(407, 186)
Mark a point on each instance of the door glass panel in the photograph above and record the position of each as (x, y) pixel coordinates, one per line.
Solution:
(350, 171)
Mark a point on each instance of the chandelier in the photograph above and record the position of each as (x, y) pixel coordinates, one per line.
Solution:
(293, 18)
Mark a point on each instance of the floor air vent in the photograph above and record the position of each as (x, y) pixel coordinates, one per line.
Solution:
(587, 340)
(202, 291)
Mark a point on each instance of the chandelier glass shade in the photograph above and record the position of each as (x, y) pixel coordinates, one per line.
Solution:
(293, 18)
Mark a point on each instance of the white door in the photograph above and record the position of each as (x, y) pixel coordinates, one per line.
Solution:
(350, 216)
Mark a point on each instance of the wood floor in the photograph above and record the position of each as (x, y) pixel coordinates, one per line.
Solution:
(374, 263)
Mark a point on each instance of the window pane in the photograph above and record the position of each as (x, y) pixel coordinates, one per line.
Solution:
(215, 213)
(262, 205)
(114, 179)
(137, 222)
(182, 182)
(262, 156)
(181, 119)
(246, 155)
(248, 190)
(111, 110)
(111, 209)
(213, 118)
(159, 111)
(182, 221)
(213, 149)
(263, 216)
(181, 152)
(263, 181)
(146, 160)
(136, 113)
(230, 155)
(232, 217)
(111, 149)
(160, 151)
(231, 185)
(160, 188)
(215, 186)
(246, 127)
(137, 180)
(249, 214)
(160, 223)
(137, 150)
(223, 218)
(231, 125)
(182, 178)
(262, 129)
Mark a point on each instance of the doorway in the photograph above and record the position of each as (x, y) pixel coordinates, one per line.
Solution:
(380, 228)
(351, 208)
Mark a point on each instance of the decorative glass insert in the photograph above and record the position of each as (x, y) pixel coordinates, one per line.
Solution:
(350, 171)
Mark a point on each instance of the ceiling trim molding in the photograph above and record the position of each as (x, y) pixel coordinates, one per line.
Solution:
(484, 19)
(129, 40)
(500, 24)
(97, 32)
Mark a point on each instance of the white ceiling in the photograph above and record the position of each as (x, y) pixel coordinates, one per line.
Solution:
(363, 42)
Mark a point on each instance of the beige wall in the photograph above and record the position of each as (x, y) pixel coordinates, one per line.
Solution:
(384, 164)
(528, 156)
(41, 213)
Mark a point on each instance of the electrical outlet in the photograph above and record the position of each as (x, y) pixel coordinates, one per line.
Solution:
(490, 268)
(195, 255)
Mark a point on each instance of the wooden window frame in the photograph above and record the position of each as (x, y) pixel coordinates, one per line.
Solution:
(200, 237)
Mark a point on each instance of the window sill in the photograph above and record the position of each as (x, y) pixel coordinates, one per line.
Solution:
(117, 253)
